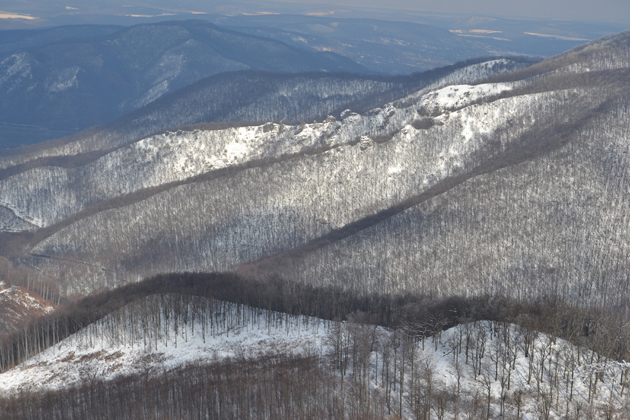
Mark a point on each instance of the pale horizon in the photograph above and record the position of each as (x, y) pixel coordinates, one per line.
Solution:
(612, 11)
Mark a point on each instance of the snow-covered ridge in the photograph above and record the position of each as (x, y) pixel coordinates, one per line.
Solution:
(476, 73)
(106, 140)
(459, 96)
(608, 53)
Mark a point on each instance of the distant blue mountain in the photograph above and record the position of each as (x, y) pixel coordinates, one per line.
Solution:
(58, 81)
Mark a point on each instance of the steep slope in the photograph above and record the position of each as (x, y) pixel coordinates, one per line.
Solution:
(549, 221)
(513, 186)
(76, 83)
(550, 225)
(245, 213)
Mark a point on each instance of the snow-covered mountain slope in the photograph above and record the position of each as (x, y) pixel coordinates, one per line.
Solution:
(605, 54)
(463, 188)
(557, 220)
(608, 53)
(18, 305)
(254, 202)
(210, 331)
(54, 193)
(501, 367)
(248, 215)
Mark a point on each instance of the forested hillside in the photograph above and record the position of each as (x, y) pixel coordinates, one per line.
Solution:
(364, 200)
(449, 244)
(549, 216)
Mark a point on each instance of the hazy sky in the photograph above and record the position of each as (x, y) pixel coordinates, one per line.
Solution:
(587, 10)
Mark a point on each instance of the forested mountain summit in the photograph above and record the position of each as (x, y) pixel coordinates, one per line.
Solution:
(511, 185)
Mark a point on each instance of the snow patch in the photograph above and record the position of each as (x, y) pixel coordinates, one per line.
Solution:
(63, 80)
(394, 170)
(459, 96)
(151, 95)
(16, 66)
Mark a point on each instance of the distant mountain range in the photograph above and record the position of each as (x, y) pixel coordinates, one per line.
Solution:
(394, 47)
(62, 80)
